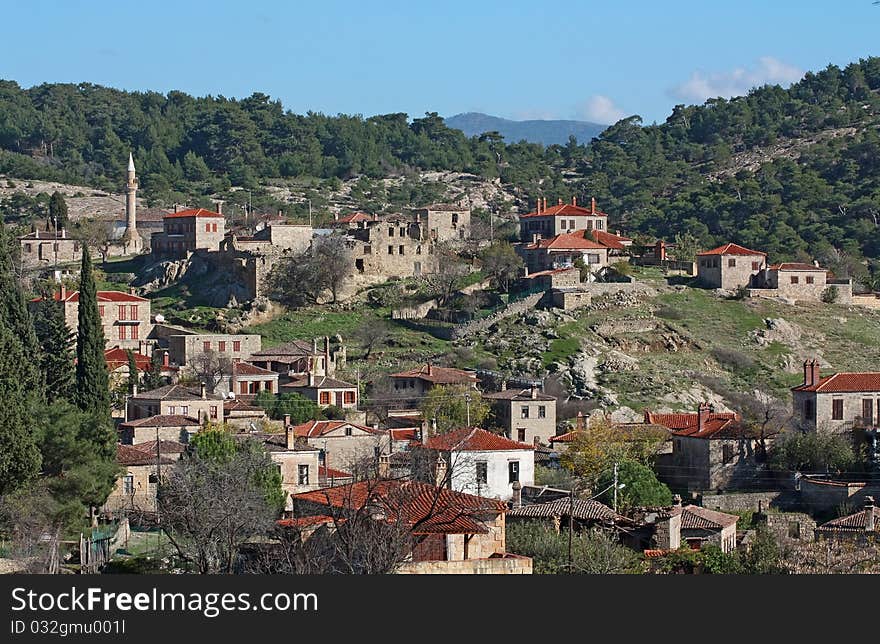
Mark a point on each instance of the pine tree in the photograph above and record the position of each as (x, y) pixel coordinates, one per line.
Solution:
(92, 381)
(56, 344)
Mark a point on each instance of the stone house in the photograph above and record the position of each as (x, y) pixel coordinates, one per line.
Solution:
(325, 391)
(178, 428)
(247, 380)
(800, 282)
(562, 251)
(185, 347)
(700, 526)
(173, 400)
(298, 358)
(837, 402)
(586, 513)
(525, 415)
(345, 445)
(142, 465)
(710, 451)
(415, 383)
(476, 461)
(729, 266)
(187, 231)
(47, 248)
(859, 526)
(661, 530)
(242, 415)
(125, 317)
(451, 532)
(446, 222)
(561, 218)
(297, 462)
(391, 247)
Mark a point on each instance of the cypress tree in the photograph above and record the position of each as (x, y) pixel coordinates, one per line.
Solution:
(92, 381)
(56, 344)
(19, 453)
(58, 210)
(133, 378)
(153, 378)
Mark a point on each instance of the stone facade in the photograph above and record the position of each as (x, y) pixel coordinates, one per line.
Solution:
(527, 416)
(47, 248)
(562, 218)
(173, 400)
(711, 463)
(186, 231)
(184, 348)
(446, 222)
(837, 402)
(384, 249)
(125, 318)
(729, 267)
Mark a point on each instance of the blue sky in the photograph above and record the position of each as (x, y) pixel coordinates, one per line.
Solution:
(539, 59)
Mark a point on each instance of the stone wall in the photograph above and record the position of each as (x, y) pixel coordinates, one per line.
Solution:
(508, 565)
(570, 300)
(414, 312)
(820, 496)
(791, 527)
(871, 300)
(520, 306)
(739, 501)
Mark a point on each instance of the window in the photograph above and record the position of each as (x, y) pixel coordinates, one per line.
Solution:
(756, 266)
(455, 218)
(132, 312)
(368, 250)
(348, 430)
(726, 453)
(482, 472)
(121, 310)
(391, 250)
(221, 346)
(213, 412)
(214, 227)
(28, 248)
(207, 228)
(134, 333)
(325, 398)
(731, 262)
(868, 411)
(599, 224)
(809, 411)
(513, 471)
(524, 411)
(837, 409)
(184, 409)
(206, 345)
(349, 398)
(400, 250)
(419, 249)
(122, 335)
(172, 409)
(236, 345)
(303, 474)
(593, 258)
(542, 411)
(128, 484)
(810, 279)
(521, 434)
(391, 232)
(794, 279)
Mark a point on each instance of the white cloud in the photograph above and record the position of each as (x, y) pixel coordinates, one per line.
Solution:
(599, 109)
(736, 82)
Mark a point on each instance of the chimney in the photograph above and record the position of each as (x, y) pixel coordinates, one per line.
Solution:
(517, 494)
(63, 291)
(36, 233)
(430, 369)
(702, 416)
(219, 203)
(175, 207)
(538, 207)
(574, 201)
(375, 217)
(131, 290)
(869, 514)
(815, 371)
(559, 201)
(311, 379)
(165, 360)
(535, 237)
(433, 431)
(440, 470)
(134, 389)
(544, 205)
(579, 422)
(503, 385)
(288, 433)
(203, 391)
(534, 393)
(384, 466)
(593, 205)
(336, 216)
(676, 501)
(64, 234)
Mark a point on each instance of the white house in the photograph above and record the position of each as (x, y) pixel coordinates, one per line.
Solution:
(474, 461)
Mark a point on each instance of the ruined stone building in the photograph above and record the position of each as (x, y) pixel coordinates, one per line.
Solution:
(394, 247)
(446, 222)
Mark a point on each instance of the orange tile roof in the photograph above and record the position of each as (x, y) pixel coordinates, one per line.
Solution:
(427, 509)
(163, 420)
(694, 517)
(130, 455)
(314, 428)
(565, 210)
(248, 369)
(473, 440)
(868, 381)
(117, 357)
(797, 266)
(576, 240)
(716, 425)
(438, 375)
(193, 212)
(329, 472)
(103, 296)
(353, 218)
(732, 249)
(567, 437)
(610, 240)
(305, 522)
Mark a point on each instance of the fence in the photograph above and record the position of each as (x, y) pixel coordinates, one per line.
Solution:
(96, 549)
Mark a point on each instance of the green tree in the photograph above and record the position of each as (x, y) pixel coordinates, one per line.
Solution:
(638, 487)
(451, 405)
(502, 264)
(56, 349)
(58, 210)
(812, 452)
(92, 383)
(133, 374)
(152, 379)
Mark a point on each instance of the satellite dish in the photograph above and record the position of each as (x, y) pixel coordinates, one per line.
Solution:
(231, 395)
(159, 318)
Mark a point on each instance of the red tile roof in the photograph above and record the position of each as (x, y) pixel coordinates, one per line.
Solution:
(565, 210)
(716, 425)
(314, 428)
(248, 369)
(868, 381)
(329, 472)
(130, 455)
(193, 212)
(427, 509)
(473, 440)
(163, 420)
(797, 266)
(402, 434)
(576, 240)
(610, 240)
(353, 218)
(438, 375)
(305, 522)
(320, 382)
(103, 296)
(694, 517)
(567, 437)
(117, 357)
(732, 249)
(855, 522)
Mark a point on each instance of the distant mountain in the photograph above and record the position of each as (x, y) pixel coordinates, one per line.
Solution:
(545, 132)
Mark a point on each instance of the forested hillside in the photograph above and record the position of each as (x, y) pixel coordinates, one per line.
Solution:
(793, 172)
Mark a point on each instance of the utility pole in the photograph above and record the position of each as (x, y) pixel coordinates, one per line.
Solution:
(570, 523)
(615, 487)
(310, 213)
(158, 478)
(467, 402)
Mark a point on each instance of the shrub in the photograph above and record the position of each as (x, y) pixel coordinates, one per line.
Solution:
(733, 360)
(829, 295)
(669, 313)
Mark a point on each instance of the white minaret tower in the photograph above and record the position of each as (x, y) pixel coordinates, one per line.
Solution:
(131, 239)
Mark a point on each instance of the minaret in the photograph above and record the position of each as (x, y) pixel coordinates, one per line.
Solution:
(132, 238)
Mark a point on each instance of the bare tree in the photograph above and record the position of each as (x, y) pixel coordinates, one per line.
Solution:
(448, 278)
(95, 233)
(304, 278)
(211, 367)
(373, 333)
